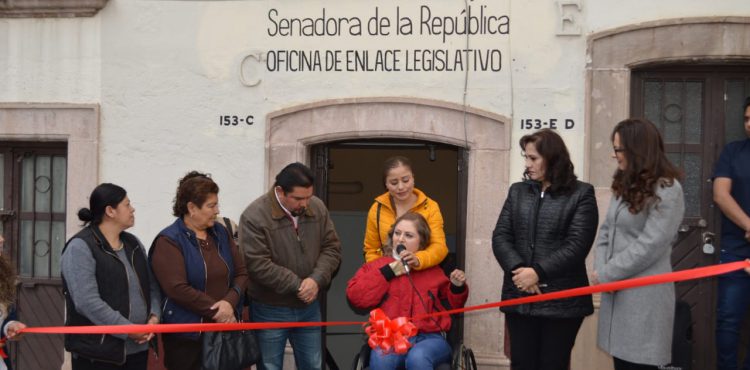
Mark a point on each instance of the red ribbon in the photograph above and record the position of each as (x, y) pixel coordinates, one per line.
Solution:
(178, 328)
(2, 349)
(389, 334)
(691, 274)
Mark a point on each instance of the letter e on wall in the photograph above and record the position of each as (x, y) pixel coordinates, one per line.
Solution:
(567, 12)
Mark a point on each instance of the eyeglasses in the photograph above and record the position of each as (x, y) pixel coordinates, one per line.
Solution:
(619, 150)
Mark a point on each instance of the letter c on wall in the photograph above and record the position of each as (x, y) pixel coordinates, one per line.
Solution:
(249, 69)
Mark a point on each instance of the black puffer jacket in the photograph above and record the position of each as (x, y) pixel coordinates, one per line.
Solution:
(552, 234)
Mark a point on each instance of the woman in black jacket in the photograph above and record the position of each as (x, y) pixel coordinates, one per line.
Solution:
(107, 281)
(544, 232)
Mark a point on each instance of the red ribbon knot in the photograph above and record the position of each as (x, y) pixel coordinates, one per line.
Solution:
(389, 334)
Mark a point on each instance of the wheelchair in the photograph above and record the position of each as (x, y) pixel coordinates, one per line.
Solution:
(462, 358)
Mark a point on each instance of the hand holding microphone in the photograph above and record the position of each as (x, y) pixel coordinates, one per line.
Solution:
(400, 249)
(406, 260)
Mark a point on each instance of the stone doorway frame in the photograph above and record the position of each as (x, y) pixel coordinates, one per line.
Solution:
(292, 131)
(76, 124)
(613, 54)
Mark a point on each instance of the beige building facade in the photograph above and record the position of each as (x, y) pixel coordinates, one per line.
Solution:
(138, 92)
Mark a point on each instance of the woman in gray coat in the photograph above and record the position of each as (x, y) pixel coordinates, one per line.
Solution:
(635, 240)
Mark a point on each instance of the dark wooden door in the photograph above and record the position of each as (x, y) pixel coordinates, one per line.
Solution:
(697, 109)
(33, 219)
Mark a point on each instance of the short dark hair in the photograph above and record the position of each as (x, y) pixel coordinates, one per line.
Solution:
(103, 195)
(747, 104)
(193, 187)
(394, 162)
(294, 174)
(560, 171)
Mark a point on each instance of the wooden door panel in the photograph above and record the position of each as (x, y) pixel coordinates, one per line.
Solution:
(40, 306)
(684, 253)
(34, 194)
(697, 109)
(678, 103)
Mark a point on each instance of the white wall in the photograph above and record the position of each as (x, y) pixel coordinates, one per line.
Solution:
(50, 60)
(165, 71)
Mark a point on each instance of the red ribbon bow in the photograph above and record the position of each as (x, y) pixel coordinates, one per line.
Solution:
(389, 334)
(2, 349)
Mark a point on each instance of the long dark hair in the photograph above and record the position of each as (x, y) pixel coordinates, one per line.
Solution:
(102, 196)
(560, 171)
(647, 164)
(7, 284)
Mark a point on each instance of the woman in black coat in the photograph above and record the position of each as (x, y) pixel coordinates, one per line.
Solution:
(544, 232)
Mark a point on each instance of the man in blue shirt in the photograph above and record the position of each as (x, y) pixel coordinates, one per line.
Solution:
(732, 195)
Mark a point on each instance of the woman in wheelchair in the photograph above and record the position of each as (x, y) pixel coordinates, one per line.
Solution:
(389, 284)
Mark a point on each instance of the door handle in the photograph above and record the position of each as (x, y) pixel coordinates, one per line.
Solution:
(708, 242)
(708, 237)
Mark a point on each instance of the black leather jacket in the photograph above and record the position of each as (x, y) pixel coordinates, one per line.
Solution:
(551, 233)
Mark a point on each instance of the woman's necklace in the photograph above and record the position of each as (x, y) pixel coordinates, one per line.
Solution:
(119, 247)
(203, 243)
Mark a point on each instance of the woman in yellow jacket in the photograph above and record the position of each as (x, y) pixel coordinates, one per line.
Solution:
(403, 197)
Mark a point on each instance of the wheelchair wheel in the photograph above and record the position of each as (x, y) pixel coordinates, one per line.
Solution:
(362, 358)
(357, 364)
(463, 358)
(471, 362)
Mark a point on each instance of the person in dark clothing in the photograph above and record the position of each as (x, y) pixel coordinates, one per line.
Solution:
(10, 325)
(292, 252)
(199, 268)
(732, 195)
(542, 237)
(8, 331)
(107, 281)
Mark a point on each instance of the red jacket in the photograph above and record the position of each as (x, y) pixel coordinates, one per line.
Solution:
(369, 288)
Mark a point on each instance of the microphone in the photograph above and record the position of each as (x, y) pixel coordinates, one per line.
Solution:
(400, 248)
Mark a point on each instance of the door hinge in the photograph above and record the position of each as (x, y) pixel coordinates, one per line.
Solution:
(7, 214)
